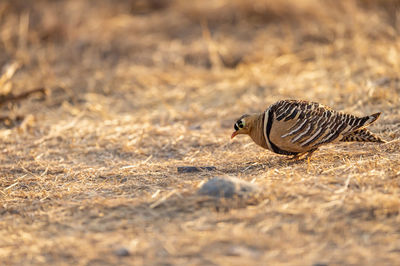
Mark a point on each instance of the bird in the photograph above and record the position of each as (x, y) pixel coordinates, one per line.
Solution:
(298, 128)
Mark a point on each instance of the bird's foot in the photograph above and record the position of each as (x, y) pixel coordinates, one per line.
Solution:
(304, 155)
(294, 158)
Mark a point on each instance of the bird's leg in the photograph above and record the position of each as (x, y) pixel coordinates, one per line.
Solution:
(309, 154)
(299, 156)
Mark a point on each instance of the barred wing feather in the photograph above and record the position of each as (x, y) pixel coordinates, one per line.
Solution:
(310, 124)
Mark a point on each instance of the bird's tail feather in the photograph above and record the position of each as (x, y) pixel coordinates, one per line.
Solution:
(363, 135)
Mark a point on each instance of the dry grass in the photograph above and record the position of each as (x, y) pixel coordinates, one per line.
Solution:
(136, 88)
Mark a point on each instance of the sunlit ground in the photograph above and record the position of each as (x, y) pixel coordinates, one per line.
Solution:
(134, 89)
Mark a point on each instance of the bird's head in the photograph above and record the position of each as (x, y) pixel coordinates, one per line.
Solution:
(242, 125)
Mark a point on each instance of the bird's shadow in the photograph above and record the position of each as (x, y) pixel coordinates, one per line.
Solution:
(268, 163)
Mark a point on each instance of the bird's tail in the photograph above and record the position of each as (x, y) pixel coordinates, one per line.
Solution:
(363, 135)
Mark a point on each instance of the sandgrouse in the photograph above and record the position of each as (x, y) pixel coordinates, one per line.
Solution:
(298, 128)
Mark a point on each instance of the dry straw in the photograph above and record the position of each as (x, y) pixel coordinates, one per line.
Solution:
(135, 89)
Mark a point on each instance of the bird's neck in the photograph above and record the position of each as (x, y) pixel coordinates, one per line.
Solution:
(257, 132)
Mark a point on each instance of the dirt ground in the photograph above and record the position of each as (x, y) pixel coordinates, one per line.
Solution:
(130, 90)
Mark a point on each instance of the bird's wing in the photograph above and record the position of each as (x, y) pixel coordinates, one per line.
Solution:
(307, 125)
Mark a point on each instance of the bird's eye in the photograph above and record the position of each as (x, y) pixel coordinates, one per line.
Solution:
(240, 124)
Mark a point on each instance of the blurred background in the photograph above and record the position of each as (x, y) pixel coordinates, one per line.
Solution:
(209, 53)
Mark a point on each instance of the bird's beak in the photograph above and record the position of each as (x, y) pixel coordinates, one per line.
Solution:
(234, 134)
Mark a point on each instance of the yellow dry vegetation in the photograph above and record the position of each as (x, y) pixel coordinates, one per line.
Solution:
(135, 89)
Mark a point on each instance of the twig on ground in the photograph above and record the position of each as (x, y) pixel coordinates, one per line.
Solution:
(15, 98)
